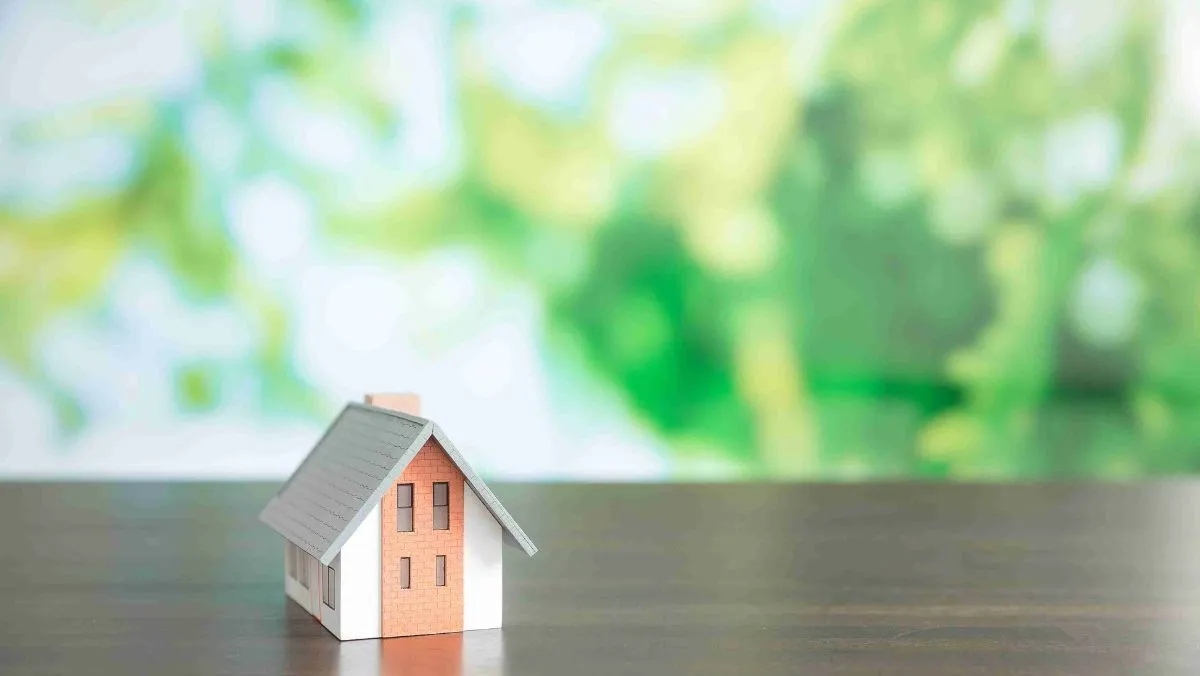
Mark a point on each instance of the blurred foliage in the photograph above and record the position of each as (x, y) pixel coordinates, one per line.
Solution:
(845, 239)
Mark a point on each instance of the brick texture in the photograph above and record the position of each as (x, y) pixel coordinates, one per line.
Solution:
(424, 608)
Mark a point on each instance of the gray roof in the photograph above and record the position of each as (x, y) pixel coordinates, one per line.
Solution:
(350, 470)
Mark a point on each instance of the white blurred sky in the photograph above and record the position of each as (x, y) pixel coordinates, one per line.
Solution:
(443, 327)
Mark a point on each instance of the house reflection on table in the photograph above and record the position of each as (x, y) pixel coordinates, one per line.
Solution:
(471, 652)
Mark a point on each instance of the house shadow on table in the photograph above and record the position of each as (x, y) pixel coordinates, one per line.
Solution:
(471, 652)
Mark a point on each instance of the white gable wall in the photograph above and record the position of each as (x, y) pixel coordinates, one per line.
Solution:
(483, 565)
(358, 577)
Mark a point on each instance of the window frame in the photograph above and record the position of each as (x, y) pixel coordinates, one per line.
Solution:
(405, 512)
(329, 587)
(439, 571)
(405, 572)
(442, 511)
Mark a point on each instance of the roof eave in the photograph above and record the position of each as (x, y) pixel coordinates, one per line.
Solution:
(486, 496)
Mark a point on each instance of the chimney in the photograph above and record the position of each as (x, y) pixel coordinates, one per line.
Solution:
(405, 403)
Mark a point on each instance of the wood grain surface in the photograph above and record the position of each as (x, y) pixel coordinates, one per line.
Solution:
(636, 579)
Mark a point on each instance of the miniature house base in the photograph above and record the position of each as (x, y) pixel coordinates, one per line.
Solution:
(390, 533)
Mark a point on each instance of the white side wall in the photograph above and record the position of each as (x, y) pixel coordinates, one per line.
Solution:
(307, 598)
(358, 576)
(483, 565)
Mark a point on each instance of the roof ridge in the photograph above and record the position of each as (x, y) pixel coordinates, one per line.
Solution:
(390, 411)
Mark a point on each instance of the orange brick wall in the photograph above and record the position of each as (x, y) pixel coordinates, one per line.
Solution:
(423, 609)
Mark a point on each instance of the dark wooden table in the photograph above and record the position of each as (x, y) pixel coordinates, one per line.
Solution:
(641, 579)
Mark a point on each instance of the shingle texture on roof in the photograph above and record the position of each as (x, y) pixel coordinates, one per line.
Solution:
(348, 472)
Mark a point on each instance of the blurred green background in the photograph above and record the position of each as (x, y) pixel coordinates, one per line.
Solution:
(732, 239)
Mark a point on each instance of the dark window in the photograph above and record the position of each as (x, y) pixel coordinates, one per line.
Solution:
(405, 573)
(440, 574)
(404, 508)
(329, 593)
(441, 506)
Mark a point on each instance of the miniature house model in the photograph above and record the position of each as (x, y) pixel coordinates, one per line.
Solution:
(389, 531)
